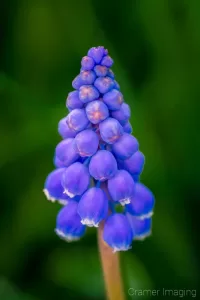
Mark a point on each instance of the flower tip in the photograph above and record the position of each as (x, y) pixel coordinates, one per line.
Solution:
(121, 249)
(143, 236)
(68, 193)
(146, 216)
(48, 196)
(125, 201)
(67, 238)
(89, 223)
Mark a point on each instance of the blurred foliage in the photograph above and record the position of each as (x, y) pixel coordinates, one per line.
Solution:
(156, 48)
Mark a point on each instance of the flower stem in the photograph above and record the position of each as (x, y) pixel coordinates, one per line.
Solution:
(111, 269)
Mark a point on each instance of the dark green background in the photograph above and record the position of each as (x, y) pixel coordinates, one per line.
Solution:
(156, 48)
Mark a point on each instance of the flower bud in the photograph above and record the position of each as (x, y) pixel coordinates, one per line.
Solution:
(117, 232)
(110, 130)
(100, 70)
(121, 187)
(141, 227)
(77, 120)
(96, 53)
(96, 111)
(103, 165)
(93, 207)
(75, 179)
(68, 223)
(88, 93)
(104, 84)
(107, 61)
(113, 99)
(87, 77)
(142, 202)
(53, 189)
(123, 114)
(125, 146)
(134, 164)
(64, 130)
(66, 152)
(73, 101)
(87, 63)
(87, 142)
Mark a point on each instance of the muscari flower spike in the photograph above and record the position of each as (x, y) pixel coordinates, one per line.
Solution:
(98, 163)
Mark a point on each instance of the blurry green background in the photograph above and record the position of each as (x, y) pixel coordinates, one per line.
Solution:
(156, 48)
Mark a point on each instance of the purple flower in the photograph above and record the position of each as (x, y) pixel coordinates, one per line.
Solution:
(134, 164)
(99, 150)
(77, 120)
(75, 179)
(87, 63)
(93, 207)
(123, 114)
(53, 189)
(96, 111)
(104, 84)
(118, 233)
(73, 101)
(103, 165)
(77, 82)
(87, 77)
(97, 53)
(88, 93)
(125, 146)
(121, 187)
(100, 70)
(87, 142)
(107, 61)
(113, 99)
(68, 223)
(142, 202)
(64, 130)
(58, 163)
(141, 227)
(66, 152)
(127, 127)
(110, 130)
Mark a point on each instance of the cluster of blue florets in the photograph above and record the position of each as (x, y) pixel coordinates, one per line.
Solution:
(98, 162)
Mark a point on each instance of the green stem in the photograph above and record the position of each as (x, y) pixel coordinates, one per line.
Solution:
(111, 269)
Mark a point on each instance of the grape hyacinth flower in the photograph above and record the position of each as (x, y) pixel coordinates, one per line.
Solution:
(142, 202)
(73, 101)
(66, 152)
(121, 187)
(68, 224)
(77, 120)
(110, 130)
(118, 232)
(64, 130)
(98, 163)
(103, 165)
(75, 179)
(53, 188)
(123, 114)
(96, 111)
(93, 207)
(125, 146)
(141, 228)
(86, 143)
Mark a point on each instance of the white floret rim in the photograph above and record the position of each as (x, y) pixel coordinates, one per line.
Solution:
(66, 237)
(143, 236)
(89, 223)
(125, 201)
